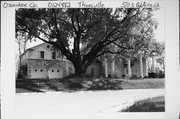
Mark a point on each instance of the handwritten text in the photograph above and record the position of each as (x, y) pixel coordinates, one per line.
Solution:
(20, 4)
(59, 4)
(87, 5)
(140, 5)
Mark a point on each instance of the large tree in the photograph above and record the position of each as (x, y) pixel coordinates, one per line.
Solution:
(82, 35)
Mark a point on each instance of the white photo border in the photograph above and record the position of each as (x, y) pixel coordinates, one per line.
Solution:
(172, 72)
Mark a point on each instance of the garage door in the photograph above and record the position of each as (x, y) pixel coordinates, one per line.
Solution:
(55, 73)
(38, 73)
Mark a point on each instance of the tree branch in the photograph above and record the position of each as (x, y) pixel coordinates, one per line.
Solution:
(108, 51)
(72, 21)
(66, 52)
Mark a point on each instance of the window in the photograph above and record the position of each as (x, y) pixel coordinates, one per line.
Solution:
(35, 70)
(53, 55)
(57, 70)
(41, 70)
(41, 54)
(52, 70)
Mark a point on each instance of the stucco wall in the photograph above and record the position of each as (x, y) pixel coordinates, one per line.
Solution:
(35, 54)
(25, 56)
(94, 69)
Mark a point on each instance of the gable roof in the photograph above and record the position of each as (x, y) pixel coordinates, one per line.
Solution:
(32, 48)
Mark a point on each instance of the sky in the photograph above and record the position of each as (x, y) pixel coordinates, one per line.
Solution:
(160, 32)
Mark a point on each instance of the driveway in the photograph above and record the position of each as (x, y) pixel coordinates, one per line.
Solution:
(83, 101)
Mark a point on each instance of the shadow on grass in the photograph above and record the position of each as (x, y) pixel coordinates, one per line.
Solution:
(28, 85)
(86, 84)
(156, 104)
(68, 85)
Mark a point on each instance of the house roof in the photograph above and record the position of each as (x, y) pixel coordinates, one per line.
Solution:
(37, 46)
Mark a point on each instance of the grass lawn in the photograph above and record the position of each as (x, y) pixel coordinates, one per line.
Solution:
(156, 104)
(142, 84)
(39, 85)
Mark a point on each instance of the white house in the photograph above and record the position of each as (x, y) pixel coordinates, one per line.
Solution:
(44, 62)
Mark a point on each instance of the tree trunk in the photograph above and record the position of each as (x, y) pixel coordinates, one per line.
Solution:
(80, 69)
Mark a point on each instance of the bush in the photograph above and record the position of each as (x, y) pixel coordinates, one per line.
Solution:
(22, 72)
(53, 84)
(73, 83)
(160, 75)
(101, 84)
(146, 77)
(70, 76)
(123, 76)
(135, 77)
(152, 75)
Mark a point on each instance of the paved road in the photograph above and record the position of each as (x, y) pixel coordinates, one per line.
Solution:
(85, 101)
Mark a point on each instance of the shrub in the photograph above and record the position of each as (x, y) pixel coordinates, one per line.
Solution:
(123, 76)
(109, 76)
(135, 77)
(22, 72)
(101, 84)
(74, 83)
(146, 77)
(152, 75)
(160, 75)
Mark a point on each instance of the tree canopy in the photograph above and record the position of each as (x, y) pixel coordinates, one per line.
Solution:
(82, 35)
